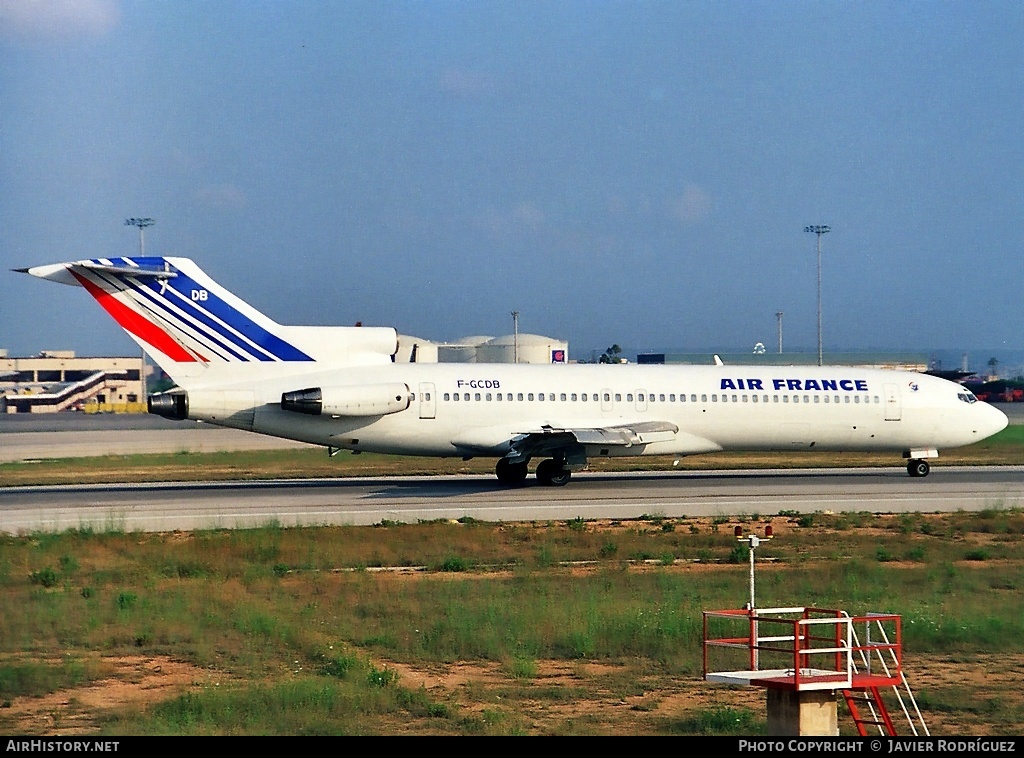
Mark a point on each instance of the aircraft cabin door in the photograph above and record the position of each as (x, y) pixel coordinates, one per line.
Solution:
(428, 400)
(893, 405)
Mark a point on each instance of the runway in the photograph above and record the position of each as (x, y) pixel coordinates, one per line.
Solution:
(186, 507)
(69, 435)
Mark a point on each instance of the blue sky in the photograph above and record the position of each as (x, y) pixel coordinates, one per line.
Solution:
(636, 173)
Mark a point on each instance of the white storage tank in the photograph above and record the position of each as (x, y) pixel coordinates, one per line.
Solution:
(531, 348)
(462, 350)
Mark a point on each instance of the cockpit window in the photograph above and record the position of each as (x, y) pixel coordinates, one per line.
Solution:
(967, 397)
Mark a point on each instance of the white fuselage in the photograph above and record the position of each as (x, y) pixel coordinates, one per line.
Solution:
(476, 409)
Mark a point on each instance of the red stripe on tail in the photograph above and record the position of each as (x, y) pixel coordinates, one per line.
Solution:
(136, 324)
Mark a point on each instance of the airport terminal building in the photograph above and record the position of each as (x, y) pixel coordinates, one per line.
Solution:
(57, 380)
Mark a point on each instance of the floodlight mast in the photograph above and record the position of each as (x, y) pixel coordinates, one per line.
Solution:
(142, 223)
(819, 229)
(515, 336)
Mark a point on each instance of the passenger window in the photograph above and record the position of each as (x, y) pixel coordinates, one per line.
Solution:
(476, 396)
(562, 397)
(672, 398)
(754, 398)
(693, 398)
(573, 396)
(519, 397)
(446, 397)
(466, 397)
(629, 398)
(551, 397)
(488, 395)
(618, 397)
(498, 397)
(583, 397)
(455, 397)
(703, 398)
(817, 399)
(607, 397)
(530, 396)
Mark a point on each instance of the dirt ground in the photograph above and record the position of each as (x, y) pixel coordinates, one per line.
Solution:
(592, 705)
(971, 694)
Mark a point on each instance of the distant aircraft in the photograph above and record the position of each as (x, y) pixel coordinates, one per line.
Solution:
(340, 387)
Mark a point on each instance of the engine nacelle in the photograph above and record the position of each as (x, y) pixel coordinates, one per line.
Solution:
(169, 405)
(357, 400)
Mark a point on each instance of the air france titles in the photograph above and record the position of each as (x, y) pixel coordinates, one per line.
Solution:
(797, 385)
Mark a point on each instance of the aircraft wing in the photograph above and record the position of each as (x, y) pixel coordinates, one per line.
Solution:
(550, 440)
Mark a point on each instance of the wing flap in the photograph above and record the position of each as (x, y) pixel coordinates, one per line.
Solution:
(548, 440)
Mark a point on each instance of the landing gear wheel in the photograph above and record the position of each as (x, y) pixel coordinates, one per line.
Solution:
(918, 468)
(552, 473)
(510, 473)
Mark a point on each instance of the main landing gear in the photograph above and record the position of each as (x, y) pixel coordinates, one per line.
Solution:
(510, 473)
(917, 467)
(550, 472)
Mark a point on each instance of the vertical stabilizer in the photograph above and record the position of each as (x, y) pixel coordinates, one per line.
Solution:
(197, 331)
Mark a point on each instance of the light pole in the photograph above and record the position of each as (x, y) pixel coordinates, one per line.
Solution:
(515, 336)
(778, 315)
(819, 230)
(142, 223)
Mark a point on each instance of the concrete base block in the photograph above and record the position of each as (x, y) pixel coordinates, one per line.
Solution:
(799, 714)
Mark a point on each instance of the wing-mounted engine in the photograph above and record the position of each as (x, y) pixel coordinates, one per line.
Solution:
(357, 400)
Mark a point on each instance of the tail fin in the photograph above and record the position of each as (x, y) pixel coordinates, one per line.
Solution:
(197, 331)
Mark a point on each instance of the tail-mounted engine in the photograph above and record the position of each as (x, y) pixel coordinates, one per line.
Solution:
(358, 400)
(169, 405)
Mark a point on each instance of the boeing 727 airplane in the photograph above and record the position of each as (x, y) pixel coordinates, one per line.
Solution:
(340, 387)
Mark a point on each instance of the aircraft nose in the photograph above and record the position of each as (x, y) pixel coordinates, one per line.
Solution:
(992, 420)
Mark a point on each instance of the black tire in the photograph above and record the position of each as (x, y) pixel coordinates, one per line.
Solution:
(510, 473)
(918, 468)
(551, 473)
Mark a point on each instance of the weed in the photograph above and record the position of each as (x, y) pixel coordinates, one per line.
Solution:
(454, 563)
(46, 577)
(380, 677)
(608, 549)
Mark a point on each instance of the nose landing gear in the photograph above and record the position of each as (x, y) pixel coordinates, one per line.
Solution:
(918, 468)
